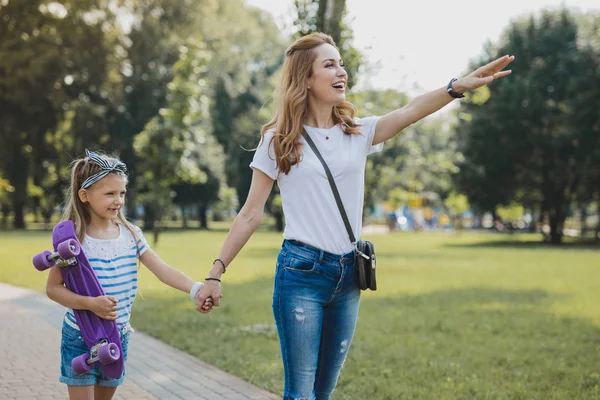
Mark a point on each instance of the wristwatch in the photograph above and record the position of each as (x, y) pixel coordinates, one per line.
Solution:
(451, 91)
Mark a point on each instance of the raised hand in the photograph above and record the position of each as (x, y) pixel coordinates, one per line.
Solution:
(483, 75)
(104, 306)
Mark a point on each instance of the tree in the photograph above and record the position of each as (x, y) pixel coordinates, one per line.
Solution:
(172, 142)
(420, 159)
(248, 49)
(328, 16)
(146, 56)
(52, 61)
(532, 139)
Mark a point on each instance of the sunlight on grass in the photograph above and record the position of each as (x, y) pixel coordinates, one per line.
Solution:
(469, 316)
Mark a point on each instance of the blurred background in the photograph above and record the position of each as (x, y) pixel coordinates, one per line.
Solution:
(179, 90)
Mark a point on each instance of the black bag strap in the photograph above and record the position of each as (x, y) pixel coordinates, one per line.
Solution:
(334, 189)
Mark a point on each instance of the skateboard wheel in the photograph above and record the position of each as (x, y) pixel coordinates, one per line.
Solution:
(41, 261)
(80, 365)
(68, 249)
(109, 353)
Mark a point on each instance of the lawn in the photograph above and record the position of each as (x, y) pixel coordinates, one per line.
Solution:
(470, 316)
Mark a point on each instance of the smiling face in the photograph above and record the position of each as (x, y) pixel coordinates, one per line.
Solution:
(105, 197)
(327, 83)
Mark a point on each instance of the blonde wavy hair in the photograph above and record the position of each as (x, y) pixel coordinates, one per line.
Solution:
(78, 212)
(292, 101)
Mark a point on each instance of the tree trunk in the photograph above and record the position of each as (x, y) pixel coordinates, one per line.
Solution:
(131, 201)
(583, 221)
(597, 232)
(242, 189)
(19, 181)
(149, 217)
(202, 218)
(128, 156)
(557, 222)
(278, 221)
(184, 221)
(556, 229)
(19, 201)
(35, 209)
(5, 210)
(329, 18)
(19, 222)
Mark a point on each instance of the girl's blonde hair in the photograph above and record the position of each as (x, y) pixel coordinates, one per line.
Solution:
(75, 210)
(292, 101)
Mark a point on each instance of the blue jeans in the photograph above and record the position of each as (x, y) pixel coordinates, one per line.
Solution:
(315, 304)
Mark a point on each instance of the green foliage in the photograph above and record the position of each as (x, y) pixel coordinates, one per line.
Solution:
(145, 56)
(5, 189)
(457, 204)
(329, 16)
(510, 213)
(242, 76)
(420, 159)
(534, 140)
(52, 60)
(173, 143)
(71, 78)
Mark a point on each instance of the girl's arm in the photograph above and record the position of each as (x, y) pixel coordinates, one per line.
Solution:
(165, 273)
(391, 124)
(244, 225)
(103, 306)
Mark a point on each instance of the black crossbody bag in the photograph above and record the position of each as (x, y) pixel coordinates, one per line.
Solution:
(365, 250)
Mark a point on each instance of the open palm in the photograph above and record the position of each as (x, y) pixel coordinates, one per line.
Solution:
(486, 74)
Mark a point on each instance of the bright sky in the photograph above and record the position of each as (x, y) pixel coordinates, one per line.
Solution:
(419, 45)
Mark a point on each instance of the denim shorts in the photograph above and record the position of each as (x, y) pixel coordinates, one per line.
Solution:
(72, 345)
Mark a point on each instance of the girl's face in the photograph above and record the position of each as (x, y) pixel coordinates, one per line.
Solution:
(106, 197)
(328, 81)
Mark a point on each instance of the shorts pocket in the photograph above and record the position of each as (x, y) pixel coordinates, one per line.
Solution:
(125, 345)
(72, 337)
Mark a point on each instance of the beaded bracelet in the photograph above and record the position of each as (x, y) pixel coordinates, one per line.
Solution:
(222, 263)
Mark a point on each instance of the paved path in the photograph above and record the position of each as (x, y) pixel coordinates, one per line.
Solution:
(30, 360)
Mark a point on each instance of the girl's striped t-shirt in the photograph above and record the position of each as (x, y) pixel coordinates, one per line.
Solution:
(115, 263)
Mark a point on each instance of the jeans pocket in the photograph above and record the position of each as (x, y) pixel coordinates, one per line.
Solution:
(300, 264)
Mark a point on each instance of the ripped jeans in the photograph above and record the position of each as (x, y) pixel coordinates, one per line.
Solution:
(315, 304)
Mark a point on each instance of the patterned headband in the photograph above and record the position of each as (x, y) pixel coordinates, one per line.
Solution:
(106, 168)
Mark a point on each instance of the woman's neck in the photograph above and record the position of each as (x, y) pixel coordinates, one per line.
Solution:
(319, 116)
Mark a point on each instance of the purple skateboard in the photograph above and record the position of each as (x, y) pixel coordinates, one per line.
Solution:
(100, 335)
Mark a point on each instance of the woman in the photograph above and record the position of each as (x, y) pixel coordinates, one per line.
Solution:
(316, 295)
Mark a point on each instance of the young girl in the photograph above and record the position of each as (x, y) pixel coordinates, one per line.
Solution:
(112, 245)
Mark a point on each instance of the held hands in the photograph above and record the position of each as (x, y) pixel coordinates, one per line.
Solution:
(483, 75)
(208, 296)
(104, 306)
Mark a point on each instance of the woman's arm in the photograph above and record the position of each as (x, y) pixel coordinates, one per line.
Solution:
(392, 123)
(103, 306)
(244, 225)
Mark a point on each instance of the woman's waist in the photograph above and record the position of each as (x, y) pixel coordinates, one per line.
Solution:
(314, 253)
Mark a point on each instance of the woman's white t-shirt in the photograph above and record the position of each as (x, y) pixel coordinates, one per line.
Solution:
(311, 213)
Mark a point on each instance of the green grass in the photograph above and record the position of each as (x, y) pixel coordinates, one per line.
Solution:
(471, 316)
